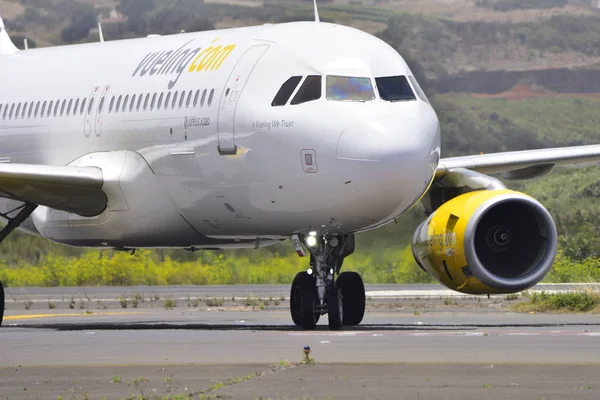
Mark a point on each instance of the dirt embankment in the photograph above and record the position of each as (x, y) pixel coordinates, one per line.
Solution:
(521, 84)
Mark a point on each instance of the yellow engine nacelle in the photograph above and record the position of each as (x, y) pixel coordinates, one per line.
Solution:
(488, 241)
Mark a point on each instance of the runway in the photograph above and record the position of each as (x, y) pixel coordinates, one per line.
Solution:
(406, 348)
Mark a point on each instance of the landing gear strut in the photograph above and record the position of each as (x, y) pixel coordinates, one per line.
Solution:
(23, 212)
(315, 292)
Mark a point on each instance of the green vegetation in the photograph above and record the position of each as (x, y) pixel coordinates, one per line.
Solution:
(146, 268)
(560, 302)
(443, 46)
(473, 124)
(170, 303)
(509, 5)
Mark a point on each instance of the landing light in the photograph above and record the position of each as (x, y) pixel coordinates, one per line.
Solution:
(311, 241)
(309, 271)
(312, 233)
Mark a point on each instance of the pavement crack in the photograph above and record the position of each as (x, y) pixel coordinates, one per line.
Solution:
(211, 391)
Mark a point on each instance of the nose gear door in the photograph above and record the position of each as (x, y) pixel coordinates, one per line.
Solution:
(230, 96)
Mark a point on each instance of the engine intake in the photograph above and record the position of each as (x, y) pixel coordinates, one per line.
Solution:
(496, 241)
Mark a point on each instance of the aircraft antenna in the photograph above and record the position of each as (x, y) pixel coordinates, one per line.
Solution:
(6, 45)
(316, 11)
(25, 44)
(100, 32)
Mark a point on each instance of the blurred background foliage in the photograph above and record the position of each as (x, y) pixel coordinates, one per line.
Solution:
(502, 75)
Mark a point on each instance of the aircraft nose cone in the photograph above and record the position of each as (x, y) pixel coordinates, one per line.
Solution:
(387, 162)
(356, 144)
(388, 140)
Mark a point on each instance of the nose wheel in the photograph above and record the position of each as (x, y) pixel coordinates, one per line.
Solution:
(316, 292)
(303, 301)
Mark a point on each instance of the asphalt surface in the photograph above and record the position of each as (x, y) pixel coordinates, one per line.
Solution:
(418, 348)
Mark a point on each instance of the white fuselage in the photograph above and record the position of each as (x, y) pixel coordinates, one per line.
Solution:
(201, 173)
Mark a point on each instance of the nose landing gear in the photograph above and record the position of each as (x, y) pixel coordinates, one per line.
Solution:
(315, 292)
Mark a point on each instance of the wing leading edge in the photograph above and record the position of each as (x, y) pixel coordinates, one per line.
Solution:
(520, 164)
(73, 189)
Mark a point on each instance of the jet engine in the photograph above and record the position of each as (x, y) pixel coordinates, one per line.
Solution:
(487, 241)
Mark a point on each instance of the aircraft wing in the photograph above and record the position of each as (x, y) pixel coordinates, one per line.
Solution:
(73, 189)
(520, 164)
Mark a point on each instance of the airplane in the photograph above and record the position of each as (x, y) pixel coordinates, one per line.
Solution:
(244, 137)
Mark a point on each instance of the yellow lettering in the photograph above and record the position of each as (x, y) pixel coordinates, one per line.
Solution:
(220, 57)
(211, 58)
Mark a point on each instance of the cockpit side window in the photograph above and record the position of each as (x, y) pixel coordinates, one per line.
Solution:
(286, 91)
(309, 91)
(395, 88)
(346, 88)
(418, 89)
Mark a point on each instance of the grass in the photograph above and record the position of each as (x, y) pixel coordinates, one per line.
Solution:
(511, 297)
(214, 302)
(123, 300)
(51, 305)
(169, 303)
(584, 301)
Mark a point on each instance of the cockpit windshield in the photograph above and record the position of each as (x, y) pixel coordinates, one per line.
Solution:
(394, 88)
(346, 88)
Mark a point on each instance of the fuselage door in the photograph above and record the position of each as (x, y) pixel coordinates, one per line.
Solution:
(88, 114)
(230, 96)
(98, 110)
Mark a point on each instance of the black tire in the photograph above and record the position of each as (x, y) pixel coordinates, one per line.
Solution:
(302, 281)
(1, 303)
(309, 305)
(353, 297)
(335, 309)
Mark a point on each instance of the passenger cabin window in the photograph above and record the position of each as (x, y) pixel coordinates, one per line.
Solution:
(69, 107)
(139, 102)
(43, 111)
(101, 105)
(37, 109)
(174, 100)
(76, 107)
(82, 108)
(196, 97)
(153, 101)
(31, 105)
(167, 100)
(89, 110)
(309, 91)
(125, 103)
(285, 91)
(210, 97)
(160, 100)
(18, 111)
(203, 98)
(118, 106)
(189, 99)
(5, 111)
(181, 99)
(347, 88)
(146, 101)
(394, 88)
(24, 110)
(132, 104)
